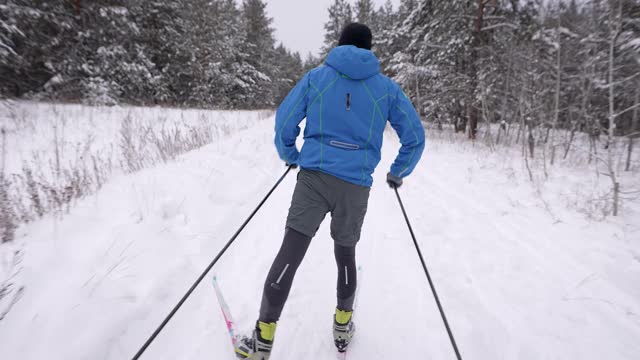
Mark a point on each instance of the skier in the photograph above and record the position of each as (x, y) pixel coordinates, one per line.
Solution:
(347, 103)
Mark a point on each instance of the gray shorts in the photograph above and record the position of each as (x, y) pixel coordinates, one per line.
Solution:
(316, 194)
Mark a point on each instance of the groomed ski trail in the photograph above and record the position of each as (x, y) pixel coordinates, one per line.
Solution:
(515, 283)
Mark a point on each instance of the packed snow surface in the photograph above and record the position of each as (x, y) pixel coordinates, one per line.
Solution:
(519, 278)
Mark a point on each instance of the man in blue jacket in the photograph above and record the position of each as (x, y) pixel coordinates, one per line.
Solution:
(347, 103)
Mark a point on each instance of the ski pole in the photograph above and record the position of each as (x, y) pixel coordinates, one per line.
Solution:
(426, 271)
(204, 273)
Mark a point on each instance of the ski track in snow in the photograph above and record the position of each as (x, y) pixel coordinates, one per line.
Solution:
(514, 283)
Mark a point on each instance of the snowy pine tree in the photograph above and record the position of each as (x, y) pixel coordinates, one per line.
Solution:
(365, 12)
(258, 58)
(340, 14)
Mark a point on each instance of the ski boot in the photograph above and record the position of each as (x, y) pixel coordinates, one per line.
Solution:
(258, 346)
(343, 329)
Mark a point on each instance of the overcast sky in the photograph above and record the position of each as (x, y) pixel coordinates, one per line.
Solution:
(299, 24)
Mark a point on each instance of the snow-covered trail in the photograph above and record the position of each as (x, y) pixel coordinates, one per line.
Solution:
(514, 283)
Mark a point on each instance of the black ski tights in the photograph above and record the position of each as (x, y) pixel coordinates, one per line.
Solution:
(280, 277)
(347, 277)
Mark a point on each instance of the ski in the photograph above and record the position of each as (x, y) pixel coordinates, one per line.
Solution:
(226, 313)
(342, 355)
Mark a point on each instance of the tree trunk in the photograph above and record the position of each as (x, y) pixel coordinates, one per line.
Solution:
(461, 121)
(531, 141)
(556, 112)
(615, 33)
(525, 155)
(488, 135)
(521, 121)
(418, 99)
(505, 96)
(547, 132)
(572, 135)
(627, 165)
(473, 122)
(4, 151)
(476, 43)
(633, 130)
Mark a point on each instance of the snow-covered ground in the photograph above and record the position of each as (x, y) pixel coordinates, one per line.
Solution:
(519, 277)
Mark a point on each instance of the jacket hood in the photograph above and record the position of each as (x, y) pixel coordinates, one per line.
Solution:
(354, 62)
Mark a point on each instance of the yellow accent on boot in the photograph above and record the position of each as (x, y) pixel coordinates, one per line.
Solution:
(244, 354)
(343, 317)
(267, 330)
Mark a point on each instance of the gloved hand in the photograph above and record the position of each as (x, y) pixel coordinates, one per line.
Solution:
(293, 166)
(394, 181)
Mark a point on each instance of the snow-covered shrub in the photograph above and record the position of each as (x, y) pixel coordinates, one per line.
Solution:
(33, 191)
(39, 190)
(7, 215)
(144, 145)
(100, 92)
(132, 143)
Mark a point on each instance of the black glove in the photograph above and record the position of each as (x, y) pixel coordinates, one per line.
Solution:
(293, 166)
(394, 181)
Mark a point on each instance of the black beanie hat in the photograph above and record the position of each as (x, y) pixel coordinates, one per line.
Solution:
(357, 35)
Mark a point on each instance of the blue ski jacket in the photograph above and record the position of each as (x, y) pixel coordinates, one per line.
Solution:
(347, 103)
